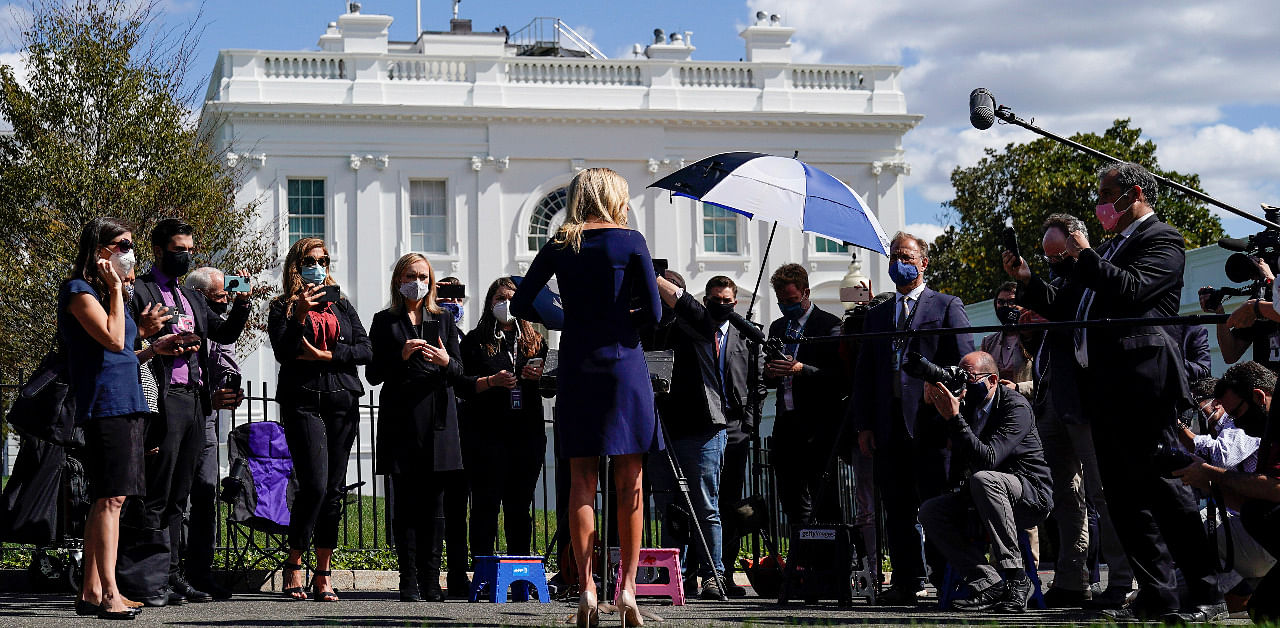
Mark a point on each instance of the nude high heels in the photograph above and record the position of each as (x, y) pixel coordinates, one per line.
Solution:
(588, 615)
(628, 610)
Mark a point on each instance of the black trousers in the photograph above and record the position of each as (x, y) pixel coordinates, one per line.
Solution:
(202, 522)
(1157, 519)
(733, 483)
(1262, 520)
(417, 517)
(506, 479)
(799, 461)
(320, 429)
(909, 471)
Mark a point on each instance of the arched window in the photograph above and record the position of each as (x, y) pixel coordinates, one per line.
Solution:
(547, 217)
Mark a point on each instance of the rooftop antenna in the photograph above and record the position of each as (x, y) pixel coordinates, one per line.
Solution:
(455, 8)
(419, 18)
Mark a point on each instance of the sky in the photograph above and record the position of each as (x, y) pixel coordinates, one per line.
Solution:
(1202, 79)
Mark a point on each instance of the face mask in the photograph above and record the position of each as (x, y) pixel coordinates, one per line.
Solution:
(455, 309)
(719, 311)
(123, 263)
(1007, 315)
(218, 307)
(502, 312)
(314, 274)
(414, 290)
(903, 273)
(792, 311)
(175, 263)
(1107, 214)
(1063, 268)
(975, 393)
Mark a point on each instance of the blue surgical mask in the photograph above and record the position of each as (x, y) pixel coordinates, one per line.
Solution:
(314, 274)
(975, 393)
(456, 309)
(792, 311)
(903, 273)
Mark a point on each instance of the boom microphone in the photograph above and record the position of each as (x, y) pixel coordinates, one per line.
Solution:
(747, 329)
(982, 109)
(1234, 244)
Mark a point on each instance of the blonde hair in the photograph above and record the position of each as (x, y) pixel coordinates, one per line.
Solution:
(598, 193)
(292, 279)
(402, 264)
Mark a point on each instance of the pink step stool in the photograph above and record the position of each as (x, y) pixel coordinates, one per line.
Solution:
(663, 557)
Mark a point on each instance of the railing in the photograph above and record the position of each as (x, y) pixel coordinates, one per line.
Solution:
(545, 34)
(828, 78)
(305, 67)
(417, 69)
(718, 75)
(573, 72)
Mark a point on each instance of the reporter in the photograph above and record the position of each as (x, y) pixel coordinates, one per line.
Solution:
(318, 343)
(417, 418)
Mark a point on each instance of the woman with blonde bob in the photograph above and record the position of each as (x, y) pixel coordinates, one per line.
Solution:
(605, 400)
(318, 339)
(416, 359)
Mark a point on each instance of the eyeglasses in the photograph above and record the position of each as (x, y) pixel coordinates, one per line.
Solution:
(977, 377)
(124, 245)
(1053, 259)
(901, 257)
(312, 261)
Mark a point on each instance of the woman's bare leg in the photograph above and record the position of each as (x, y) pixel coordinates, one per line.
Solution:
(584, 477)
(627, 475)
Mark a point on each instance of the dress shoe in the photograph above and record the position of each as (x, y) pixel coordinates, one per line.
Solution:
(1199, 614)
(86, 608)
(432, 593)
(1113, 597)
(897, 596)
(184, 588)
(1129, 614)
(1065, 598)
(176, 599)
(128, 614)
(983, 600)
(156, 601)
(1017, 592)
(206, 583)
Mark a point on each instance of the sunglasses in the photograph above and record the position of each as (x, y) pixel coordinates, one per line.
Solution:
(124, 245)
(312, 261)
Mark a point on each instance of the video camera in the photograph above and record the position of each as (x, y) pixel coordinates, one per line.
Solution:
(951, 377)
(1264, 245)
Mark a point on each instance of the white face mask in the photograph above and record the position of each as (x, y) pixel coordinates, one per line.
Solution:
(123, 263)
(502, 312)
(415, 290)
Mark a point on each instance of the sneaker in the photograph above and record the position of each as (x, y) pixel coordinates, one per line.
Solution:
(710, 589)
(983, 600)
(1017, 592)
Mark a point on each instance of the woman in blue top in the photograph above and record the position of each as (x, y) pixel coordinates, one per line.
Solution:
(604, 401)
(98, 337)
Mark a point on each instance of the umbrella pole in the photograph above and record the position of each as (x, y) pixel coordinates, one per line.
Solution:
(759, 276)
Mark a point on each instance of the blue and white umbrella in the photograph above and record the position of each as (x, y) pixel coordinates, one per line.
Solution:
(785, 190)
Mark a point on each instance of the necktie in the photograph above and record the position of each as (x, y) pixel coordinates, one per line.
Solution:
(1081, 335)
(724, 401)
(719, 336)
(900, 344)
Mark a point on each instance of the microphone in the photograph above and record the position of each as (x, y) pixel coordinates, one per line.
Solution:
(747, 329)
(1234, 244)
(982, 109)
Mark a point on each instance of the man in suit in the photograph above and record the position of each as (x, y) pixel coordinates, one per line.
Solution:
(151, 532)
(811, 400)
(1136, 388)
(1196, 360)
(998, 463)
(894, 425)
(709, 399)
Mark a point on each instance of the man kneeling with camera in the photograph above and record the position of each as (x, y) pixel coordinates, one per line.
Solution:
(1002, 480)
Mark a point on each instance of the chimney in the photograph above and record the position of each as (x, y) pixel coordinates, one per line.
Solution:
(460, 27)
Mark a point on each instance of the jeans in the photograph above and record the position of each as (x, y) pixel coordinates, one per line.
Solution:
(700, 459)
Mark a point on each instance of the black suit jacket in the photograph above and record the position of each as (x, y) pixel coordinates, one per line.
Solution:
(1143, 279)
(300, 376)
(694, 405)
(871, 406)
(1006, 440)
(209, 326)
(818, 391)
(1196, 358)
(417, 409)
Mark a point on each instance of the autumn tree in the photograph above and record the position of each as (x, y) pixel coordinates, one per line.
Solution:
(1027, 182)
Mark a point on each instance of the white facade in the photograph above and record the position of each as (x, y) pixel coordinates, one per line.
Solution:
(494, 133)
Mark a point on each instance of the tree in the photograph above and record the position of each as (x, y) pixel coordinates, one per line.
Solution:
(103, 126)
(1027, 182)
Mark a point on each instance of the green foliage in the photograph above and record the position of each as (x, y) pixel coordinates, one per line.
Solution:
(102, 127)
(1027, 182)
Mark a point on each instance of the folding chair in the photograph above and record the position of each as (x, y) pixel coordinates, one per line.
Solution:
(259, 489)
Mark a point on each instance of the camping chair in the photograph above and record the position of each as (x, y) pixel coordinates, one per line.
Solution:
(259, 491)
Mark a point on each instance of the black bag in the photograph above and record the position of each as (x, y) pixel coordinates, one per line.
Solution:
(45, 407)
(29, 505)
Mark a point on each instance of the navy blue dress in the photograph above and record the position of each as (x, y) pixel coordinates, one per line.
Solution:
(604, 401)
(105, 382)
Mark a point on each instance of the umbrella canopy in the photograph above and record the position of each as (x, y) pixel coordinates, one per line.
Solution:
(781, 189)
(548, 305)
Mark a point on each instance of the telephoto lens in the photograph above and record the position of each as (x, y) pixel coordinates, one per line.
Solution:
(920, 367)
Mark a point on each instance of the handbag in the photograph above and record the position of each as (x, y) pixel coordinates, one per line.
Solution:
(45, 407)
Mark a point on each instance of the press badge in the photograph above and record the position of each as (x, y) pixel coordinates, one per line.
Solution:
(517, 399)
(1274, 354)
(184, 324)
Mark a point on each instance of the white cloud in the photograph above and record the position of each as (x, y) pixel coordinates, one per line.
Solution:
(1070, 67)
(925, 230)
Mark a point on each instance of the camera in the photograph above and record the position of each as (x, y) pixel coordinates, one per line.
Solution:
(1239, 268)
(951, 377)
(1167, 458)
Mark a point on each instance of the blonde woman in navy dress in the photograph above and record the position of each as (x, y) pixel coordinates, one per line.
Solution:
(604, 401)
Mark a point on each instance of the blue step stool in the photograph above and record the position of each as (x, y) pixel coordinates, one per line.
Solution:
(951, 580)
(497, 573)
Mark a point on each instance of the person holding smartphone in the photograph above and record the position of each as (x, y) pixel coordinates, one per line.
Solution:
(318, 339)
(417, 360)
(503, 357)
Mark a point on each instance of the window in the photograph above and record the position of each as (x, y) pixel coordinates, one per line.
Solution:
(719, 230)
(547, 217)
(428, 218)
(827, 245)
(306, 209)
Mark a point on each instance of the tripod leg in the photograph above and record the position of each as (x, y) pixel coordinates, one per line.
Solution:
(683, 484)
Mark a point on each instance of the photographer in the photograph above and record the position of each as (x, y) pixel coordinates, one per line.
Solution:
(1012, 358)
(1243, 391)
(1248, 326)
(997, 460)
(1222, 443)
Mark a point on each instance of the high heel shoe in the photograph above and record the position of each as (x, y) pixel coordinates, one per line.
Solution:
(588, 615)
(628, 610)
(293, 593)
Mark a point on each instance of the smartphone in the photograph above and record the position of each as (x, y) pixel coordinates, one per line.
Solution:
(1011, 245)
(534, 362)
(855, 294)
(451, 291)
(235, 283)
(431, 332)
(659, 266)
(329, 294)
(232, 382)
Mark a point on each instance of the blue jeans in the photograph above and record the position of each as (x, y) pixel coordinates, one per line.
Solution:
(700, 459)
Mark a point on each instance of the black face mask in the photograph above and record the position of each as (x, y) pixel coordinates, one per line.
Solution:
(719, 311)
(1063, 268)
(175, 263)
(1007, 315)
(218, 307)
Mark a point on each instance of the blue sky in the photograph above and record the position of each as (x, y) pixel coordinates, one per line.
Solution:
(1200, 78)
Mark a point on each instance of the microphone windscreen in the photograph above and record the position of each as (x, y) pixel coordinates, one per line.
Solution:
(982, 109)
(745, 327)
(1233, 244)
